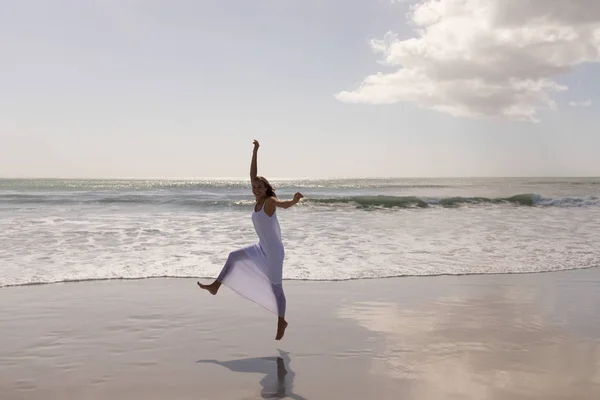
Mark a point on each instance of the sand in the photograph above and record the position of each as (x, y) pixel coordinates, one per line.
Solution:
(534, 336)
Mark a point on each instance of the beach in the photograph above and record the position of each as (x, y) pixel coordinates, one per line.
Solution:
(506, 336)
(408, 188)
(405, 191)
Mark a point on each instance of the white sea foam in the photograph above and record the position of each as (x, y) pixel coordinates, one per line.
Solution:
(328, 245)
(80, 240)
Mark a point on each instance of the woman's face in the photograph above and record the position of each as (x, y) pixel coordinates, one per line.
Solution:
(258, 188)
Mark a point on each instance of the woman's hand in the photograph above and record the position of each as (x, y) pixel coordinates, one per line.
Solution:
(256, 145)
(297, 197)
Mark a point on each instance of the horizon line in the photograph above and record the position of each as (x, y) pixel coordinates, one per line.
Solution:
(233, 178)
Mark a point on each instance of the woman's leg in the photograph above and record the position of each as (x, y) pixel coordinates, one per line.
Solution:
(280, 299)
(213, 288)
(281, 306)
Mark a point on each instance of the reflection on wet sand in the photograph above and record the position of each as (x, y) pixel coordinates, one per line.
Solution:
(278, 381)
(500, 344)
(502, 337)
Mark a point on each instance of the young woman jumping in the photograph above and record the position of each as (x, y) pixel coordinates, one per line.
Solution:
(255, 271)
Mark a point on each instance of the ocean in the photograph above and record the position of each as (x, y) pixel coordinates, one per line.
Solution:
(55, 230)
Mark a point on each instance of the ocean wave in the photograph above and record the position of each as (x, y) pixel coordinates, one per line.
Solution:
(528, 199)
(122, 199)
(360, 202)
(566, 182)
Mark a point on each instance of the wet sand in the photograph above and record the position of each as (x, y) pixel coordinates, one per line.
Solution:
(466, 337)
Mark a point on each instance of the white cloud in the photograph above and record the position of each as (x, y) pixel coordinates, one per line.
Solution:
(484, 58)
(585, 103)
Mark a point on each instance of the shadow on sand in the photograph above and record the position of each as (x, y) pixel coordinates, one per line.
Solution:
(278, 381)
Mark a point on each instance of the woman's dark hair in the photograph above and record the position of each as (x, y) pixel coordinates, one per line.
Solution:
(270, 190)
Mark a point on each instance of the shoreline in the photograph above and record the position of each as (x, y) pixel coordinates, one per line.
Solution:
(482, 274)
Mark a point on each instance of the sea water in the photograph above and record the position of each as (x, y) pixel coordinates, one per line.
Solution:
(69, 230)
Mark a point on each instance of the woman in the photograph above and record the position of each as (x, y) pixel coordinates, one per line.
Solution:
(255, 271)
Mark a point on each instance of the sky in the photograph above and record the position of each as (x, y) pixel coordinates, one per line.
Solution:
(361, 88)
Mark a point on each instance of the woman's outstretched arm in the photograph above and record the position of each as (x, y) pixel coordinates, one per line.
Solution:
(285, 203)
(253, 165)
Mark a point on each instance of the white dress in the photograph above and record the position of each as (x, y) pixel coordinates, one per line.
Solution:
(255, 271)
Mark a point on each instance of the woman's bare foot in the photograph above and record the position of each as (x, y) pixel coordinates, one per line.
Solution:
(213, 288)
(281, 325)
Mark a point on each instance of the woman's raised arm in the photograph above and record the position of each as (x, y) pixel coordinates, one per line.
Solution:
(253, 165)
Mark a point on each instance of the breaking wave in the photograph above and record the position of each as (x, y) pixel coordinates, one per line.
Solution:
(360, 202)
(528, 200)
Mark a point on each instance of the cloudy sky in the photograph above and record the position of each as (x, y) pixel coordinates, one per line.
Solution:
(148, 88)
